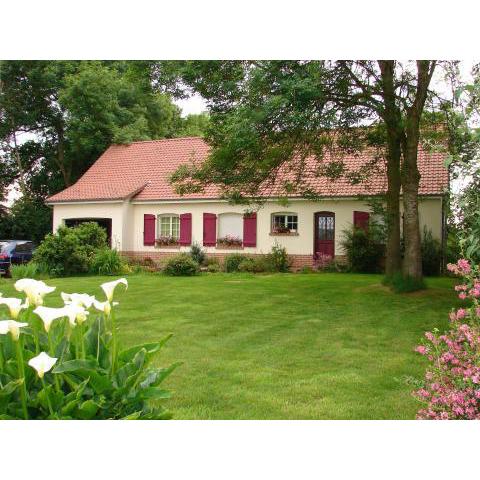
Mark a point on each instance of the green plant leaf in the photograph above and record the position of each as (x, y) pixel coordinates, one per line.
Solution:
(10, 387)
(88, 409)
(73, 365)
(151, 348)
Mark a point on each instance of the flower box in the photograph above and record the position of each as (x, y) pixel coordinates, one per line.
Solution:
(229, 242)
(167, 242)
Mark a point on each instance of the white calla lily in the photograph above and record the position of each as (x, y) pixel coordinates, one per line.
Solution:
(82, 299)
(105, 307)
(75, 313)
(14, 305)
(48, 315)
(109, 287)
(42, 363)
(35, 290)
(12, 327)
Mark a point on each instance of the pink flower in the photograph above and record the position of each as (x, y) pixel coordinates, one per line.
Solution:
(464, 266)
(429, 336)
(462, 296)
(422, 350)
(461, 313)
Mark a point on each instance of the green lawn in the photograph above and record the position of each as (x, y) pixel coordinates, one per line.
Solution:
(291, 346)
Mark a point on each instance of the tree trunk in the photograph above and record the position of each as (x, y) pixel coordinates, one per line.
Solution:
(392, 118)
(412, 260)
(393, 253)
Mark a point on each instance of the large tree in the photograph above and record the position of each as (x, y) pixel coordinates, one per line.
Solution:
(57, 117)
(266, 114)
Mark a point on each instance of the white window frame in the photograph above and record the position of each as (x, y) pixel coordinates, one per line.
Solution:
(170, 226)
(285, 221)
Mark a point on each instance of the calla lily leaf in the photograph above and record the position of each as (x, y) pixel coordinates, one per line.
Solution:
(151, 348)
(72, 365)
(10, 387)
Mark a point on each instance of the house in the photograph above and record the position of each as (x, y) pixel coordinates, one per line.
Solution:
(127, 191)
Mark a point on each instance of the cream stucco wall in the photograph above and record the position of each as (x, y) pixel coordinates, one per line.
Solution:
(114, 210)
(127, 220)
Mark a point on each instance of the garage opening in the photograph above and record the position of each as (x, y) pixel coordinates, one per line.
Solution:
(105, 223)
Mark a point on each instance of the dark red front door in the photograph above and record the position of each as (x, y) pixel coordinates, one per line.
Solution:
(325, 234)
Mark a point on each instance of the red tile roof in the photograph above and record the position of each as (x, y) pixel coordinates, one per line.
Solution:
(141, 170)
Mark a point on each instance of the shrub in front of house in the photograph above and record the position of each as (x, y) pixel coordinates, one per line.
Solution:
(107, 261)
(450, 389)
(364, 249)
(67, 363)
(232, 262)
(257, 264)
(181, 265)
(198, 253)
(212, 264)
(431, 254)
(277, 260)
(70, 251)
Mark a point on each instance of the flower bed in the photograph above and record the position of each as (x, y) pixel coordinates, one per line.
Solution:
(66, 363)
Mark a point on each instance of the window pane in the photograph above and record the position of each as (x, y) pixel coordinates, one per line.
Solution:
(175, 227)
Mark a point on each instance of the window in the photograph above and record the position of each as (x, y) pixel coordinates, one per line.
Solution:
(169, 226)
(26, 247)
(230, 224)
(230, 230)
(284, 223)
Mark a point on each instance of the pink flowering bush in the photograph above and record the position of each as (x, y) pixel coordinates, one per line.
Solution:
(451, 389)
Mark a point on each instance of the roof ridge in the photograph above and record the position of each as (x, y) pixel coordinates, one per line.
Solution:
(158, 140)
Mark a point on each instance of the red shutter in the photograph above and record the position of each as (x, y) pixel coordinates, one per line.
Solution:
(361, 219)
(250, 230)
(209, 229)
(185, 229)
(149, 229)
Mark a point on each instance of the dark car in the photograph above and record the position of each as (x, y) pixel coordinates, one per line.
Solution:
(14, 252)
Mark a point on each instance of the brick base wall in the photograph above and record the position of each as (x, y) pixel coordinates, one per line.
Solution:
(160, 257)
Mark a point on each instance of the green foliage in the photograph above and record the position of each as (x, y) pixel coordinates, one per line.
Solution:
(91, 378)
(431, 254)
(194, 125)
(70, 251)
(214, 267)
(257, 264)
(107, 261)
(197, 253)
(75, 110)
(212, 264)
(29, 219)
(404, 284)
(363, 249)
(277, 260)
(26, 270)
(233, 261)
(181, 265)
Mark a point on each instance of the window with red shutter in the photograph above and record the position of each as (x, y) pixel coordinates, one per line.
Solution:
(149, 229)
(185, 229)
(250, 230)
(209, 229)
(361, 219)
